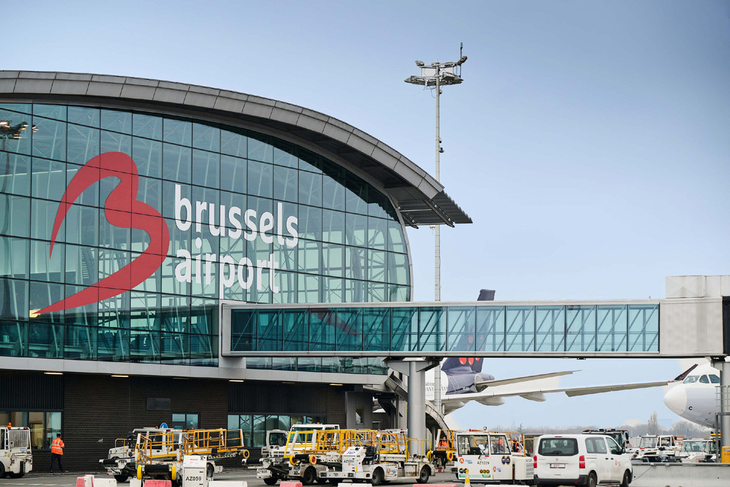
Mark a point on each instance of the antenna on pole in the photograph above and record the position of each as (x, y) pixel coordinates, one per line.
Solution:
(461, 54)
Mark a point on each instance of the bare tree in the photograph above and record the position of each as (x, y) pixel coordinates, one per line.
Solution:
(653, 424)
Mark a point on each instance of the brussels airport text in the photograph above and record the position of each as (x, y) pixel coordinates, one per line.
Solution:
(199, 266)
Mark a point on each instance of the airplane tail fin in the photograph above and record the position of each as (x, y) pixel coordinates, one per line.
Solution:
(462, 365)
(684, 374)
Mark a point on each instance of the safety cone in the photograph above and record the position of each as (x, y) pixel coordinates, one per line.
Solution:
(467, 482)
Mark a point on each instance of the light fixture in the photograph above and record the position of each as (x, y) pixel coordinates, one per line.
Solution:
(336, 385)
(288, 382)
(122, 376)
(235, 380)
(53, 373)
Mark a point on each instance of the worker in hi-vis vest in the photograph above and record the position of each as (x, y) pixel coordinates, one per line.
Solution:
(57, 447)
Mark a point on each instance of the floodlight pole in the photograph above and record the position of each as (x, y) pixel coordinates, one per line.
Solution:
(438, 74)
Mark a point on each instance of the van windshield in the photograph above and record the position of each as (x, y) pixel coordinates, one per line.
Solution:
(563, 447)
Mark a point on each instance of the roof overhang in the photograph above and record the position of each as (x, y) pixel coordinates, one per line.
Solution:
(419, 197)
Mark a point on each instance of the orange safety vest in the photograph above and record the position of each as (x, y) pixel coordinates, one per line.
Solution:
(57, 446)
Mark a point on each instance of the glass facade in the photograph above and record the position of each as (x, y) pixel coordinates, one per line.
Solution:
(222, 213)
(455, 328)
(44, 425)
(255, 426)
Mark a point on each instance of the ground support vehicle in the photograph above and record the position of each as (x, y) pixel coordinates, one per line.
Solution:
(390, 456)
(444, 451)
(658, 448)
(581, 459)
(619, 436)
(698, 450)
(492, 456)
(300, 458)
(161, 455)
(16, 455)
(120, 459)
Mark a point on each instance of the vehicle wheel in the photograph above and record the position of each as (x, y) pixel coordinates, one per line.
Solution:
(121, 478)
(425, 474)
(592, 481)
(627, 479)
(2, 470)
(209, 471)
(16, 475)
(378, 477)
(271, 480)
(310, 476)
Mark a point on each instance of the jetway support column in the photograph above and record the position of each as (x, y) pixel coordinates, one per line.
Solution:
(724, 368)
(415, 370)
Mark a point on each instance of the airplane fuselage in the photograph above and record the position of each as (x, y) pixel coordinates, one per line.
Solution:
(695, 398)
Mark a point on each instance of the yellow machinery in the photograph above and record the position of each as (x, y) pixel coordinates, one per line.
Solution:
(160, 454)
(387, 455)
(444, 451)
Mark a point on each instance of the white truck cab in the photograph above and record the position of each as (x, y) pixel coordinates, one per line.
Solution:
(658, 448)
(16, 456)
(698, 450)
(291, 461)
(491, 456)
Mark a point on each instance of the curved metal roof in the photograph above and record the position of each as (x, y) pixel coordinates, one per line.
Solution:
(420, 198)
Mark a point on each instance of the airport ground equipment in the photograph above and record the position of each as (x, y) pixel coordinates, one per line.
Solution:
(298, 458)
(580, 459)
(391, 456)
(16, 454)
(444, 450)
(492, 457)
(120, 459)
(698, 450)
(658, 448)
(161, 455)
(620, 436)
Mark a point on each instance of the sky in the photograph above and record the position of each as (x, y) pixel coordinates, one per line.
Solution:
(589, 141)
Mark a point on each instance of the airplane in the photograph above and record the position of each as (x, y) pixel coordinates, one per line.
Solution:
(694, 397)
(462, 380)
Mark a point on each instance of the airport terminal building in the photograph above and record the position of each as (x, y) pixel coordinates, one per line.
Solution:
(133, 209)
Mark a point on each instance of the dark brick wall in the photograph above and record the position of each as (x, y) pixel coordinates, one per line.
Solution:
(98, 409)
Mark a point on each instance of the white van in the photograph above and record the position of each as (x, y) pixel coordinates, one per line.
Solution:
(581, 460)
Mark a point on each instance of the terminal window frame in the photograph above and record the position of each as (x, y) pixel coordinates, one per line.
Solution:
(41, 433)
(255, 426)
(185, 421)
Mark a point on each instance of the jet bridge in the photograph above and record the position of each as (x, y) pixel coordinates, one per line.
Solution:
(692, 321)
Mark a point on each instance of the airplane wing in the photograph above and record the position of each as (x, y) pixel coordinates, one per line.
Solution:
(494, 392)
(584, 391)
(484, 384)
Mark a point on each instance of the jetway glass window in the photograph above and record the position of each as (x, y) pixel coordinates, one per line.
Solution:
(520, 332)
(611, 328)
(458, 328)
(490, 329)
(549, 328)
(643, 328)
(580, 328)
(461, 327)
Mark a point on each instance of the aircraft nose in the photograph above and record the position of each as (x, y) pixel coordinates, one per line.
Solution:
(676, 400)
